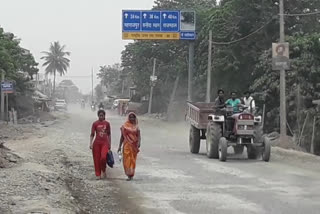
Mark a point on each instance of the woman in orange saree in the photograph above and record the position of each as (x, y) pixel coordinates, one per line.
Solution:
(130, 139)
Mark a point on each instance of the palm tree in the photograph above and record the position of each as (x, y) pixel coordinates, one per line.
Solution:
(56, 61)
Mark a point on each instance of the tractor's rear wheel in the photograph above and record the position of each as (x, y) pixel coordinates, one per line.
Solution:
(194, 140)
(214, 133)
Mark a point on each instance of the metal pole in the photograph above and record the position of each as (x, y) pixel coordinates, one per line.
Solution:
(313, 135)
(122, 89)
(2, 98)
(191, 70)
(7, 109)
(92, 84)
(283, 114)
(151, 91)
(208, 98)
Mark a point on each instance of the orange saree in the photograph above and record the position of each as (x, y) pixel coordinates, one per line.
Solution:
(131, 139)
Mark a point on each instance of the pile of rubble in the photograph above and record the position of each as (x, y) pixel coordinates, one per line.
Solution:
(7, 159)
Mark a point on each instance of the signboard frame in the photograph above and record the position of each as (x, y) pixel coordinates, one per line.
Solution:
(157, 25)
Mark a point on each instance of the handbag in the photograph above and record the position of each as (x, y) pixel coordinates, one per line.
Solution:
(110, 159)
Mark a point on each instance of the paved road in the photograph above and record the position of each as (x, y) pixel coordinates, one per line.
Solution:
(171, 180)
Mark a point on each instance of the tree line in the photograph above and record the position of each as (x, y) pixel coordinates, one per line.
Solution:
(243, 31)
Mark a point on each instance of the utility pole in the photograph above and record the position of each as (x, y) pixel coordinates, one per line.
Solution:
(2, 117)
(92, 85)
(283, 114)
(208, 98)
(152, 85)
(191, 70)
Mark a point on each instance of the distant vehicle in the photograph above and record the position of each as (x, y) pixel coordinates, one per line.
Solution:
(60, 105)
(135, 107)
(115, 104)
(93, 107)
(101, 106)
(120, 105)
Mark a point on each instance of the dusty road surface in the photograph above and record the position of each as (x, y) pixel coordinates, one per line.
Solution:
(55, 175)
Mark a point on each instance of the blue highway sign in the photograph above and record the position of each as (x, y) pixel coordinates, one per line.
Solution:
(7, 87)
(166, 25)
(132, 21)
(170, 21)
(151, 21)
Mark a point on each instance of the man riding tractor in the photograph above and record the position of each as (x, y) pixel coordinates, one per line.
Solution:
(249, 102)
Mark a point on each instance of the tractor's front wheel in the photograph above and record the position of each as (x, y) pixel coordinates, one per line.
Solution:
(266, 151)
(194, 140)
(223, 149)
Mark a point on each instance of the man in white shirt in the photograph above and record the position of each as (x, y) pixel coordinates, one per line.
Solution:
(249, 102)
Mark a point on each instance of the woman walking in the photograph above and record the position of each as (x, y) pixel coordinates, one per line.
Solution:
(130, 139)
(100, 144)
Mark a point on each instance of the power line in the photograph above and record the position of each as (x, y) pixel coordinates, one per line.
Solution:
(302, 14)
(245, 37)
(65, 77)
(259, 29)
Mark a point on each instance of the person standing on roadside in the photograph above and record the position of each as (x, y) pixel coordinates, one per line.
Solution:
(131, 141)
(100, 144)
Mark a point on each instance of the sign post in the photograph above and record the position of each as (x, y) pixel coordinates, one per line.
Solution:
(2, 97)
(153, 80)
(6, 89)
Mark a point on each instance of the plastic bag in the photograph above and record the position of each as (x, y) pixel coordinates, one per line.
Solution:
(110, 159)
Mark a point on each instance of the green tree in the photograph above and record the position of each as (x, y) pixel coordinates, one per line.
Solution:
(56, 61)
(111, 77)
(243, 31)
(18, 63)
(99, 92)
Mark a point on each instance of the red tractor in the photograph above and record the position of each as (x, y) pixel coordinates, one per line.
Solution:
(226, 128)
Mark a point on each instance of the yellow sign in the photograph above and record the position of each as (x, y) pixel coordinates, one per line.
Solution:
(151, 36)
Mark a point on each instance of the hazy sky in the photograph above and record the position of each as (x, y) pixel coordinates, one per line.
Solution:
(91, 30)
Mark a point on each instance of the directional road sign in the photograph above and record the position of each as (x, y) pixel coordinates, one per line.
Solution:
(7, 87)
(132, 21)
(158, 25)
(151, 21)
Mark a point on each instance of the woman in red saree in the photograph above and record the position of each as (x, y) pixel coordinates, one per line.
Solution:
(130, 139)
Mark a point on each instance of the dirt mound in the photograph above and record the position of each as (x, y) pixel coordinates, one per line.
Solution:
(288, 143)
(38, 117)
(7, 159)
